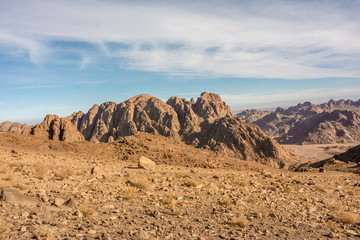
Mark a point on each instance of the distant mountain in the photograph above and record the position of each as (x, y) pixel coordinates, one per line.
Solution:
(12, 127)
(205, 123)
(331, 122)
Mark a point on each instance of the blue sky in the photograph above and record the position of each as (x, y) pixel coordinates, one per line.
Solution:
(64, 56)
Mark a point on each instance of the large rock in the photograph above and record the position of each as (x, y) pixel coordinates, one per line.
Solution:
(11, 195)
(56, 128)
(146, 163)
(142, 113)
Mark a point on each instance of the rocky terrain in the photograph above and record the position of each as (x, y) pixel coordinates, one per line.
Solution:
(206, 123)
(12, 127)
(81, 190)
(351, 155)
(332, 122)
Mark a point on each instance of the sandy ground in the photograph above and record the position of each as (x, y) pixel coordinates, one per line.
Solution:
(191, 194)
(320, 151)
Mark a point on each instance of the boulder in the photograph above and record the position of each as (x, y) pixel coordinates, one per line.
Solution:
(146, 163)
(11, 195)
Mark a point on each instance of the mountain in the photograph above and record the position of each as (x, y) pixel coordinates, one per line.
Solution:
(205, 123)
(56, 128)
(332, 122)
(12, 127)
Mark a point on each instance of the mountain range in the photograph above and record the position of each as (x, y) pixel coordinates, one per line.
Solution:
(205, 123)
(307, 123)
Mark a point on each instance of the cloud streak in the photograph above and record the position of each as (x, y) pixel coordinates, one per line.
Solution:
(290, 40)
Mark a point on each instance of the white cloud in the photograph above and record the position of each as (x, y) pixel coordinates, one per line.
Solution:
(261, 100)
(284, 39)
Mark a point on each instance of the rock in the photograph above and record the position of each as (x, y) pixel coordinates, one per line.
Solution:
(72, 203)
(352, 232)
(11, 195)
(12, 127)
(146, 163)
(332, 235)
(143, 234)
(96, 171)
(211, 187)
(56, 128)
(78, 213)
(59, 202)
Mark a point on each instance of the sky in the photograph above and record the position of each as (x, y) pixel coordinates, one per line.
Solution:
(64, 56)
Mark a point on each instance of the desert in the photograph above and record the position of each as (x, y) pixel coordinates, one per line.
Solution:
(151, 185)
(179, 120)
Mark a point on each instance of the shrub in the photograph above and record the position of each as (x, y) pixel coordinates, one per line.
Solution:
(347, 217)
(65, 173)
(240, 222)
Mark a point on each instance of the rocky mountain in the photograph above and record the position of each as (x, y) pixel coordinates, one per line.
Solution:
(56, 128)
(205, 123)
(332, 122)
(12, 127)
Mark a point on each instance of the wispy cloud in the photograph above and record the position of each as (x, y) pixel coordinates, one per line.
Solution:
(281, 39)
(35, 87)
(261, 100)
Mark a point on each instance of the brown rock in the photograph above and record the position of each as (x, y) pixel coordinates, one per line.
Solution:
(12, 127)
(11, 195)
(146, 163)
(71, 203)
(56, 128)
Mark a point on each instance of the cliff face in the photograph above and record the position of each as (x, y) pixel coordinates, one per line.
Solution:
(332, 122)
(207, 123)
(56, 128)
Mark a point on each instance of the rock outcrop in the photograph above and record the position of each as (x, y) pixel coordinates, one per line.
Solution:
(332, 122)
(12, 127)
(56, 128)
(207, 123)
(351, 155)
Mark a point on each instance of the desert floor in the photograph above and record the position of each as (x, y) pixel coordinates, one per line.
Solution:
(320, 151)
(56, 190)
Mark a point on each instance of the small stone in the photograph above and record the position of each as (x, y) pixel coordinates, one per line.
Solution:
(23, 229)
(92, 232)
(58, 202)
(143, 235)
(95, 170)
(25, 214)
(78, 213)
(146, 163)
(352, 232)
(71, 203)
(331, 235)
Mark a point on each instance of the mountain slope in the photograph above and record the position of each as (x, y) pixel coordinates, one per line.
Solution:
(332, 122)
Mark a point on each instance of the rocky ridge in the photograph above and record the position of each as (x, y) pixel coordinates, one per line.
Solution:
(205, 123)
(56, 128)
(332, 122)
(12, 126)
